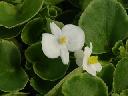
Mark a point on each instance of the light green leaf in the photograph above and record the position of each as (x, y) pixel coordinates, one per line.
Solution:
(114, 94)
(16, 94)
(56, 91)
(84, 84)
(124, 93)
(126, 46)
(102, 20)
(116, 47)
(12, 76)
(121, 76)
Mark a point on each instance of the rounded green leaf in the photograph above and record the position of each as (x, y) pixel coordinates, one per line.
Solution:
(45, 68)
(84, 85)
(12, 76)
(16, 94)
(102, 20)
(14, 16)
(41, 86)
(56, 91)
(107, 74)
(120, 80)
(32, 32)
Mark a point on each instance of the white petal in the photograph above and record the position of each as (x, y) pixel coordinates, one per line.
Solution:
(79, 57)
(50, 46)
(91, 70)
(85, 62)
(91, 45)
(88, 51)
(76, 37)
(64, 54)
(98, 67)
(55, 29)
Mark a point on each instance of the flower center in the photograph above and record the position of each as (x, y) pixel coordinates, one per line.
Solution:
(63, 40)
(93, 60)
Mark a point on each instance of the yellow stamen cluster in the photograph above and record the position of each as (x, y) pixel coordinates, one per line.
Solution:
(93, 60)
(63, 40)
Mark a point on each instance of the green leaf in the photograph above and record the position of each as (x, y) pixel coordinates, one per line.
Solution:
(45, 68)
(14, 1)
(84, 84)
(123, 52)
(56, 91)
(121, 76)
(102, 20)
(114, 94)
(50, 12)
(16, 94)
(41, 86)
(126, 46)
(116, 47)
(53, 11)
(124, 93)
(107, 74)
(12, 76)
(13, 16)
(32, 32)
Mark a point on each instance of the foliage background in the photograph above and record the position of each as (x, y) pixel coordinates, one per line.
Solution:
(26, 71)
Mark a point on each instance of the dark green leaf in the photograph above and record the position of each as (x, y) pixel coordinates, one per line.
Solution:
(13, 16)
(32, 32)
(12, 76)
(107, 74)
(45, 68)
(41, 86)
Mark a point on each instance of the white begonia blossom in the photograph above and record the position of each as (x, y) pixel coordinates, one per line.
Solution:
(88, 62)
(61, 41)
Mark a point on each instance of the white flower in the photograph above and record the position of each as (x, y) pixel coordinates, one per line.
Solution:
(61, 41)
(88, 62)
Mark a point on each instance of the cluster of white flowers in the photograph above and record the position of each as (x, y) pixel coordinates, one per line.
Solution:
(70, 38)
